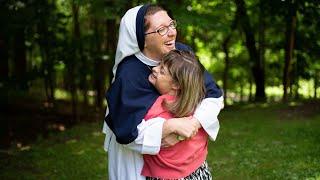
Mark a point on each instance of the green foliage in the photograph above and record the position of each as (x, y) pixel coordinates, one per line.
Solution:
(56, 53)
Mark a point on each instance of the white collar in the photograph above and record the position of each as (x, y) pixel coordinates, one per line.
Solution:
(146, 60)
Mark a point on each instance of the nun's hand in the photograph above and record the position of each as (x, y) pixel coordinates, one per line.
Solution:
(169, 140)
(185, 127)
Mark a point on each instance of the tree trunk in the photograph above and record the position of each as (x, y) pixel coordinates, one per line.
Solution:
(227, 58)
(99, 79)
(257, 67)
(70, 77)
(20, 60)
(99, 68)
(241, 91)
(4, 59)
(44, 42)
(74, 64)
(45, 74)
(47, 71)
(262, 25)
(310, 88)
(4, 74)
(315, 83)
(291, 90)
(111, 45)
(226, 67)
(74, 100)
(289, 47)
(296, 89)
(79, 54)
(250, 89)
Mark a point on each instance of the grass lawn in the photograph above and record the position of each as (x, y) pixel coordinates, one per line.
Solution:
(254, 142)
(267, 143)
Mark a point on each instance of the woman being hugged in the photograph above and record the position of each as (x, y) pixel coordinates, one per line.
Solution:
(180, 80)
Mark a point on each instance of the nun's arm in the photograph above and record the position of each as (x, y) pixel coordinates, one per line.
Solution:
(208, 110)
(149, 137)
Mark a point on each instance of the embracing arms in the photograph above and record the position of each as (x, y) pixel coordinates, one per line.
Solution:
(129, 99)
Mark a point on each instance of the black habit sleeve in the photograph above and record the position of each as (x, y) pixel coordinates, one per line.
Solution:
(129, 98)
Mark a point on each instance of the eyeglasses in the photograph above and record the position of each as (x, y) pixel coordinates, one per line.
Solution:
(164, 29)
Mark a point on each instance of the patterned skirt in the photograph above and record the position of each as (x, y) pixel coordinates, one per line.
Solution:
(202, 173)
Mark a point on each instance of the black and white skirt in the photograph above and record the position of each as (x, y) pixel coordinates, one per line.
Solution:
(202, 173)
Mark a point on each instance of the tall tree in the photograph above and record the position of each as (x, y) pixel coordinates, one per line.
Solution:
(80, 51)
(226, 67)
(99, 76)
(257, 66)
(225, 46)
(20, 59)
(45, 41)
(111, 43)
(289, 46)
(4, 58)
(316, 81)
(262, 26)
(4, 70)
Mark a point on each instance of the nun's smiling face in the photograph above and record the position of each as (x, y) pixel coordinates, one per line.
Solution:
(156, 45)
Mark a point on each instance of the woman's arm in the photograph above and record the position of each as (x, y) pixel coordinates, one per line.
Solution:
(151, 133)
(208, 110)
(207, 114)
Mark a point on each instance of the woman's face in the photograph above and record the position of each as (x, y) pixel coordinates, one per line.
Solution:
(161, 79)
(155, 44)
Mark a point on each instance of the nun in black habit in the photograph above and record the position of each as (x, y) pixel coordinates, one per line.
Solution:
(131, 95)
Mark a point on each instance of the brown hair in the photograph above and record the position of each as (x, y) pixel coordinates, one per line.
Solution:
(151, 10)
(188, 73)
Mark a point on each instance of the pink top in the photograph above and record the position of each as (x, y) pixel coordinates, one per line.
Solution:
(177, 161)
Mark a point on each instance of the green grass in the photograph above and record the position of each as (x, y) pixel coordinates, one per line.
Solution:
(254, 142)
(260, 143)
(74, 154)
